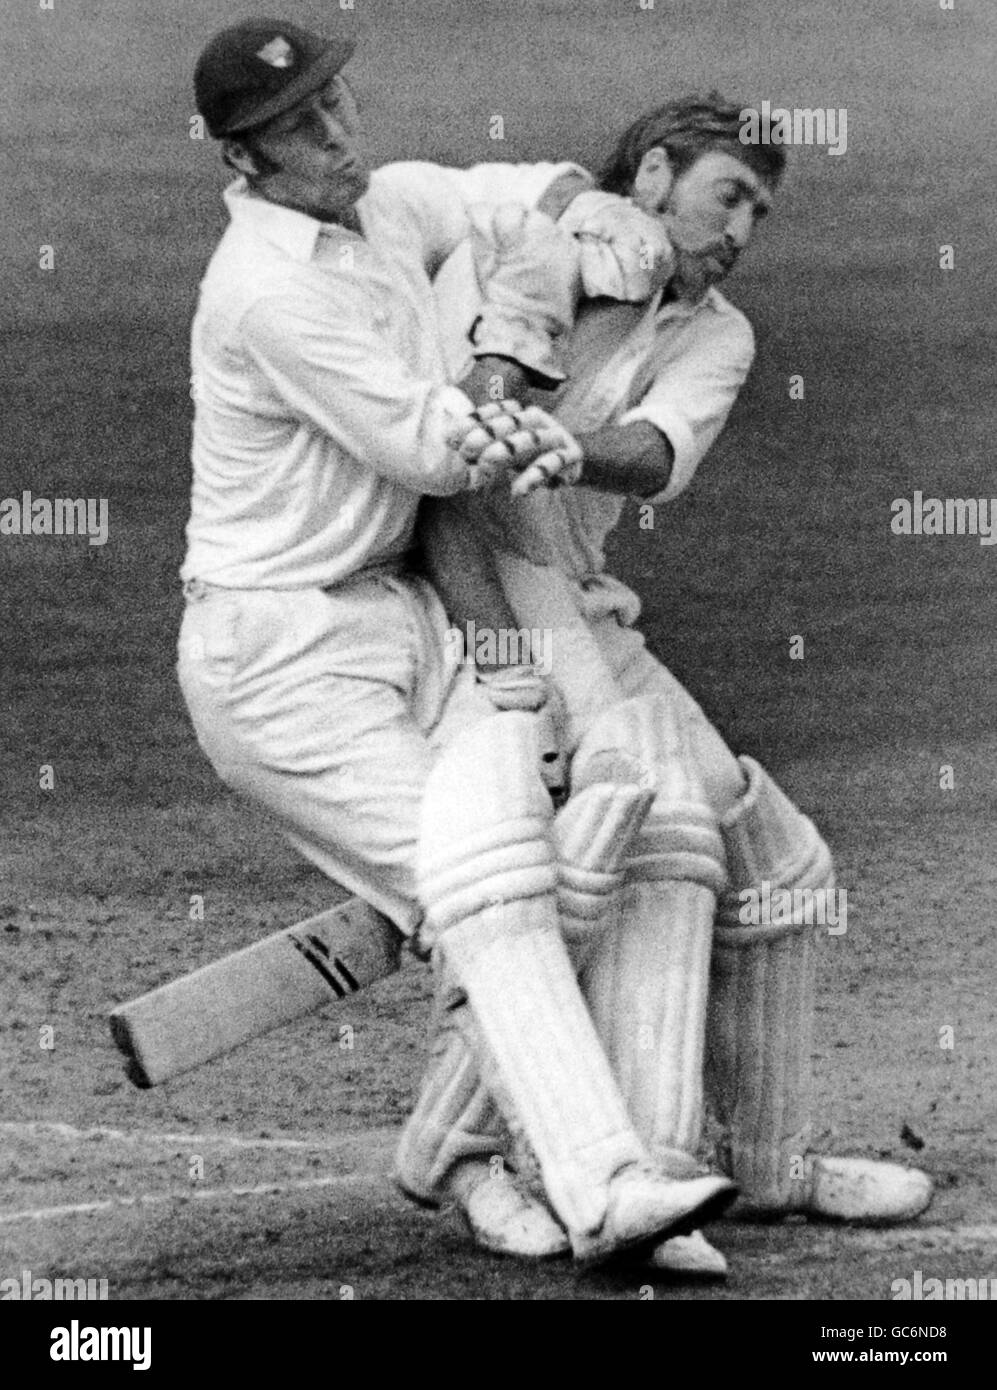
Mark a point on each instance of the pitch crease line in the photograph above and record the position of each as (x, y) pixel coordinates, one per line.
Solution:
(37, 1128)
(208, 1194)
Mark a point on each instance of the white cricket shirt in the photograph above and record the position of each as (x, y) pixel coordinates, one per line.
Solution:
(319, 379)
(677, 365)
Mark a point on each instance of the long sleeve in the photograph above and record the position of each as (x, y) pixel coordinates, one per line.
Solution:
(430, 203)
(339, 375)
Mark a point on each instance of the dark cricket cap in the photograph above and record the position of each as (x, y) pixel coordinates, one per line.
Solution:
(255, 70)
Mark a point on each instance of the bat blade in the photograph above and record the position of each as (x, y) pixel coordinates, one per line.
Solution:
(200, 1016)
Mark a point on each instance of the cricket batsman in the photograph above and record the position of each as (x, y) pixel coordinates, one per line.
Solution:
(650, 385)
(315, 662)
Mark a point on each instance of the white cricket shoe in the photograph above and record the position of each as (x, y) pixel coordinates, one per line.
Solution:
(644, 1206)
(688, 1257)
(504, 1217)
(866, 1189)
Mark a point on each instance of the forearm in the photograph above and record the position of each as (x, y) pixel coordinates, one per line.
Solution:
(459, 564)
(635, 459)
(495, 379)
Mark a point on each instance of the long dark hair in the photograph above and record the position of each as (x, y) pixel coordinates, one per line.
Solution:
(685, 129)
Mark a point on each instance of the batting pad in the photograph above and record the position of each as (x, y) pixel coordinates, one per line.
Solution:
(454, 1119)
(768, 840)
(647, 977)
(593, 834)
(760, 1027)
(488, 880)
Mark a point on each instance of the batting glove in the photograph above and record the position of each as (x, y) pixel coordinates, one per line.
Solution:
(625, 253)
(559, 459)
(503, 439)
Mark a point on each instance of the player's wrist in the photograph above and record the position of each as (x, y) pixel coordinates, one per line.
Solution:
(513, 686)
(495, 378)
(531, 346)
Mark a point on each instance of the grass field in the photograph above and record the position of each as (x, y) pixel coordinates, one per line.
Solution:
(786, 531)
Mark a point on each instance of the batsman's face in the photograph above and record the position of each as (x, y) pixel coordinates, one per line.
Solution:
(710, 213)
(316, 146)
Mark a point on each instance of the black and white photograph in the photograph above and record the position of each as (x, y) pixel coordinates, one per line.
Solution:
(499, 765)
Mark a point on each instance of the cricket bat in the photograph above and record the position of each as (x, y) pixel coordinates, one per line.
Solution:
(219, 1007)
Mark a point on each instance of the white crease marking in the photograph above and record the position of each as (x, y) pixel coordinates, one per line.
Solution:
(152, 1199)
(40, 1128)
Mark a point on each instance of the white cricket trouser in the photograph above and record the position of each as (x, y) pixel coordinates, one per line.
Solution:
(590, 622)
(325, 707)
(637, 672)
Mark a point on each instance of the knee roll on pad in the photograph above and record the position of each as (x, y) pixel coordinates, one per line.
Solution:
(768, 840)
(611, 797)
(485, 828)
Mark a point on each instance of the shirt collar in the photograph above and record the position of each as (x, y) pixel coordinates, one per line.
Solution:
(294, 233)
(681, 309)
